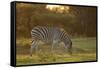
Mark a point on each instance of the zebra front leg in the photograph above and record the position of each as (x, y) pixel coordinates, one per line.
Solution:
(53, 45)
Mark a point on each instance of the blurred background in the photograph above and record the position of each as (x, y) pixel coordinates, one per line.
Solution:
(76, 20)
(80, 22)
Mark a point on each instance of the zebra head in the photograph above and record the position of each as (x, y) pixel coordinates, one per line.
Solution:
(68, 45)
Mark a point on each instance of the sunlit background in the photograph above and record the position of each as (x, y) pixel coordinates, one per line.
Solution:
(58, 8)
(78, 21)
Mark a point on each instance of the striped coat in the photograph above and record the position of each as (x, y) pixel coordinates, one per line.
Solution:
(54, 35)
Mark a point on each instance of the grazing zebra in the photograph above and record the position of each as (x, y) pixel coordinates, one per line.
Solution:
(54, 35)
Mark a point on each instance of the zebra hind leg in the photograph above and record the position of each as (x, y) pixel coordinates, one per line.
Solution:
(36, 49)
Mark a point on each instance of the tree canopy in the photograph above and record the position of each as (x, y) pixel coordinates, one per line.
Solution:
(76, 20)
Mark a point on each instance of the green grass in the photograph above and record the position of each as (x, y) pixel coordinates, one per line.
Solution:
(84, 49)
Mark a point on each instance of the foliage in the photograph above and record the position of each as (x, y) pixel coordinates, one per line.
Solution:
(79, 21)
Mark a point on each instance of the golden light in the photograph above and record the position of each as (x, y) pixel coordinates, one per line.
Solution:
(58, 8)
(52, 6)
(62, 8)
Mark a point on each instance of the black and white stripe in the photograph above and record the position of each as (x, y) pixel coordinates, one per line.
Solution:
(50, 34)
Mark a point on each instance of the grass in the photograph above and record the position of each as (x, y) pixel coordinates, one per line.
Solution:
(84, 49)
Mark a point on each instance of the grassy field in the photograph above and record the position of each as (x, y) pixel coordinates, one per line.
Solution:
(84, 49)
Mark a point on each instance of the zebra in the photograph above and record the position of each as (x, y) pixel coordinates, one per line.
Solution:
(54, 35)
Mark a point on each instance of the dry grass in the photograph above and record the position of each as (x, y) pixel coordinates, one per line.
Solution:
(84, 49)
